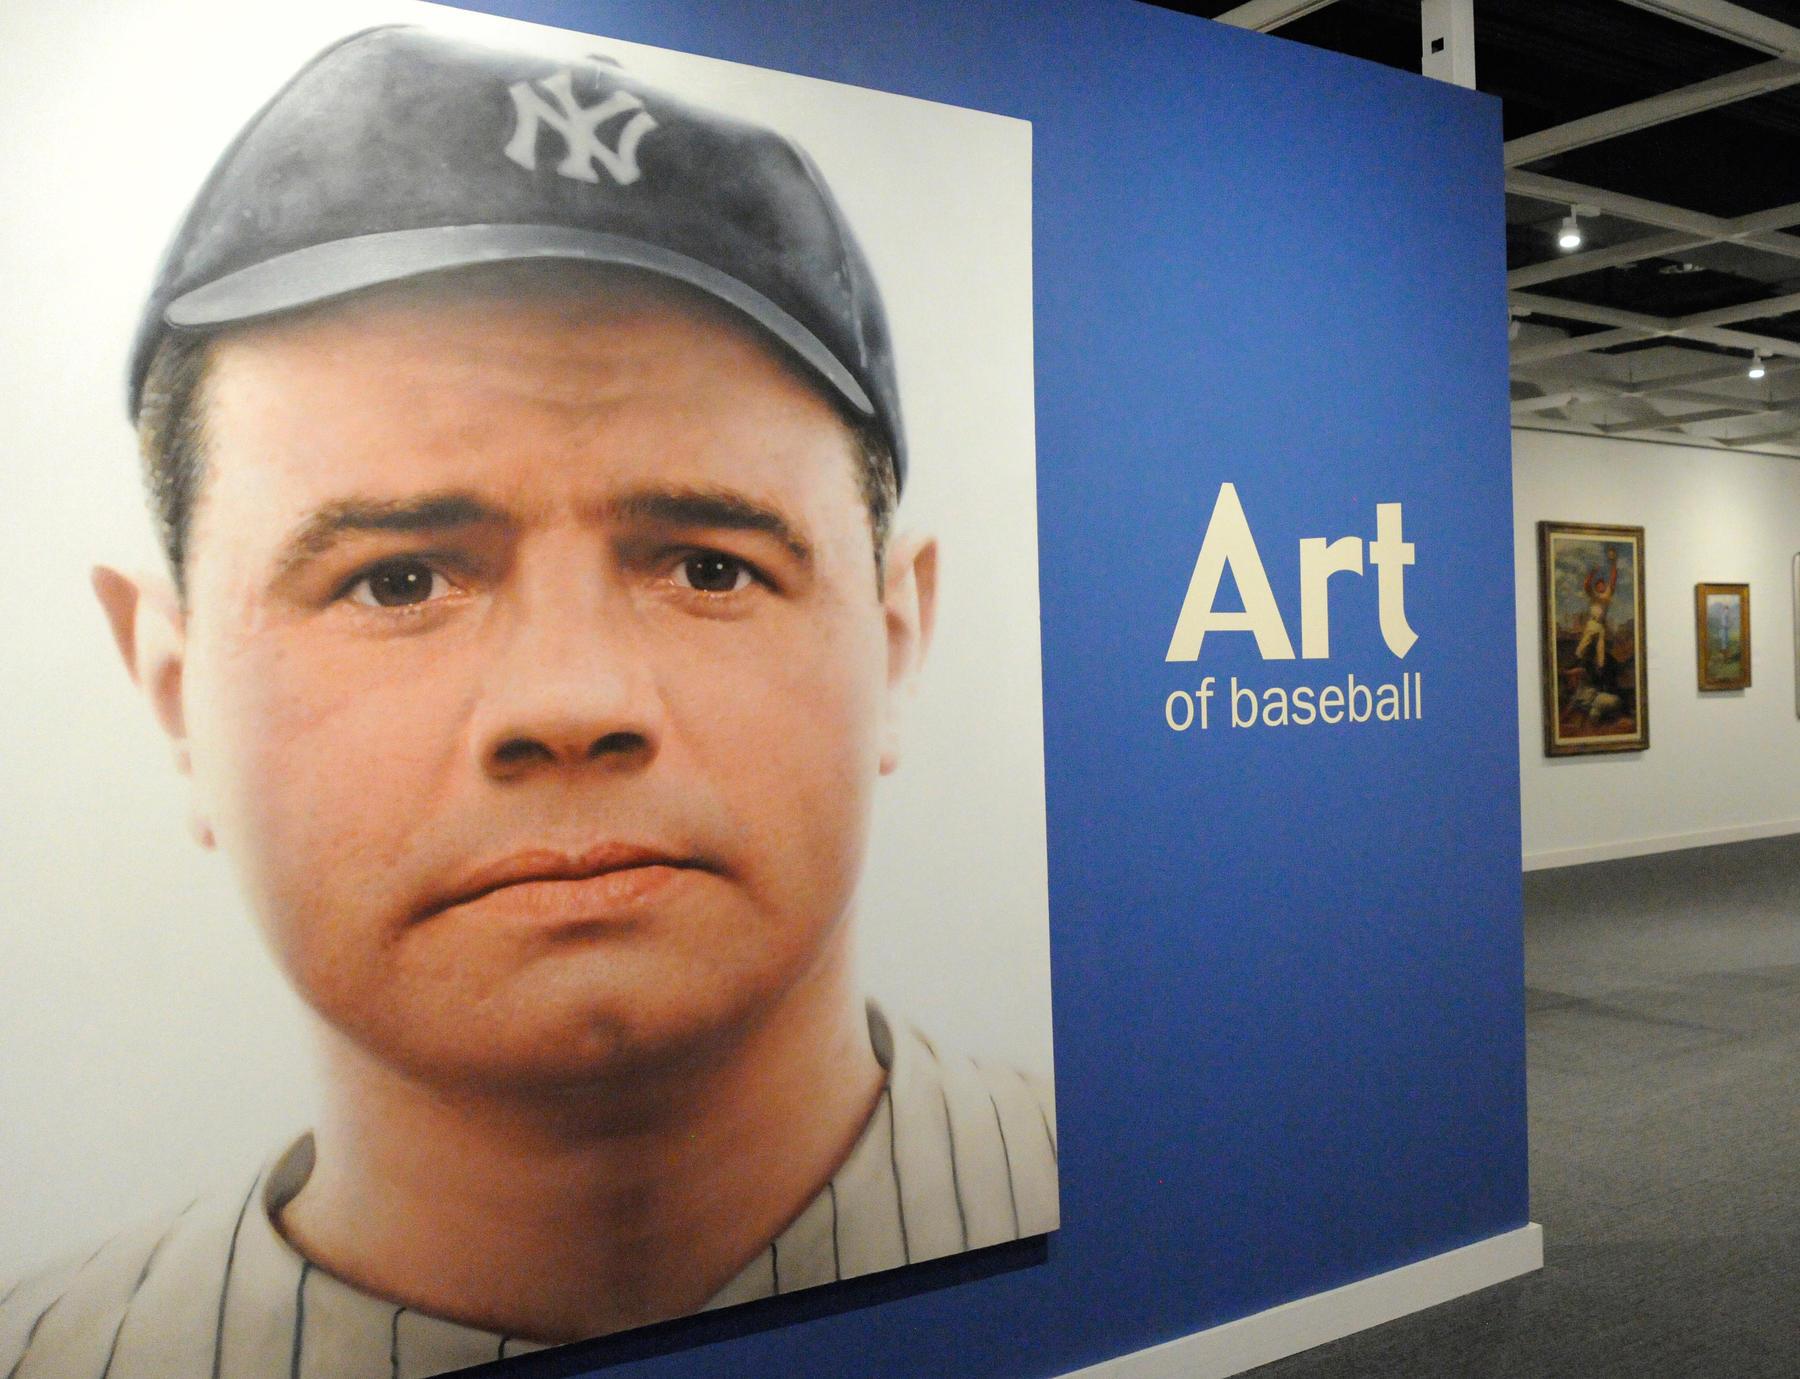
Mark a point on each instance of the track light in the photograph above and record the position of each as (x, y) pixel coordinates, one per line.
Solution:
(1568, 234)
(1756, 365)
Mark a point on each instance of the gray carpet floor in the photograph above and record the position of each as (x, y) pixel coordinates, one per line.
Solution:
(1663, 1024)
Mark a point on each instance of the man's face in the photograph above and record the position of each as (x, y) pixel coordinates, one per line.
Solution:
(535, 675)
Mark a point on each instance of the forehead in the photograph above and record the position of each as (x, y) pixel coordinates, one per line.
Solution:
(503, 376)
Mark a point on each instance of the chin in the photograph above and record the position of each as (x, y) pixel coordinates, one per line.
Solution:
(548, 1042)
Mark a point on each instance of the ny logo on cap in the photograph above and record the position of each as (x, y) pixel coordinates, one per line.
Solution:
(579, 126)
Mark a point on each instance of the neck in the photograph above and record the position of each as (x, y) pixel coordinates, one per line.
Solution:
(555, 1217)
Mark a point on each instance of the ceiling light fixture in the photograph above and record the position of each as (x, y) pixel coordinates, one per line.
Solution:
(1569, 236)
(1756, 365)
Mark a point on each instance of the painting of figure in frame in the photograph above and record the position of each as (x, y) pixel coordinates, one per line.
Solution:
(1591, 597)
(1722, 635)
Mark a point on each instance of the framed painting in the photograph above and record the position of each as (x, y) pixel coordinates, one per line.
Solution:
(1591, 606)
(1796, 576)
(1722, 635)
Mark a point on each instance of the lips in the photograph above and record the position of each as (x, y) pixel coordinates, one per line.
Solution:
(603, 884)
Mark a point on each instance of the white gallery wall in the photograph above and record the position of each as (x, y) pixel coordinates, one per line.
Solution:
(1721, 766)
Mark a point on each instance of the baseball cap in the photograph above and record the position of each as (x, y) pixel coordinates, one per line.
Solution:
(400, 152)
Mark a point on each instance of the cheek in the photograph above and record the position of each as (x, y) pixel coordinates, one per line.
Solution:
(789, 735)
(313, 778)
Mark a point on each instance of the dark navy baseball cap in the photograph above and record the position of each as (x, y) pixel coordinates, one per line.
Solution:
(400, 152)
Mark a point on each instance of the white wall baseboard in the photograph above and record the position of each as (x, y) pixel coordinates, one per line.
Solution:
(1668, 842)
(1306, 1322)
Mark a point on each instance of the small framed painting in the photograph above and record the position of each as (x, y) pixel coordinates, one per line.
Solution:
(1722, 635)
(1796, 574)
(1591, 597)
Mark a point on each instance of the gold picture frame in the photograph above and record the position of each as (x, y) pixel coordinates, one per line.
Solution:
(1722, 636)
(1594, 658)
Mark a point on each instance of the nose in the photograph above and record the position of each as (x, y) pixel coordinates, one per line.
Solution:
(570, 685)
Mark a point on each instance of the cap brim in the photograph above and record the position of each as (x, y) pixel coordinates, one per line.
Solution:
(321, 272)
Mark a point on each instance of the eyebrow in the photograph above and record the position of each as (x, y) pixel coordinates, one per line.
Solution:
(330, 524)
(717, 509)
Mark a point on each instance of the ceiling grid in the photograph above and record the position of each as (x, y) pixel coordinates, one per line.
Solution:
(1687, 270)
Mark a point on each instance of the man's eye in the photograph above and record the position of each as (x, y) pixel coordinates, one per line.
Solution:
(399, 584)
(712, 573)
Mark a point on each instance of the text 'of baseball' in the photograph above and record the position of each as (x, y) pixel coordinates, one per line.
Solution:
(1354, 701)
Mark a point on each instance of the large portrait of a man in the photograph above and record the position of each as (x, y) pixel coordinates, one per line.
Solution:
(540, 617)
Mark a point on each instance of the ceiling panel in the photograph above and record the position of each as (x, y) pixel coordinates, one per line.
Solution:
(1685, 153)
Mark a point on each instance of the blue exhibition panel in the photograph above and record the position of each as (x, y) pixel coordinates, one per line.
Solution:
(1287, 958)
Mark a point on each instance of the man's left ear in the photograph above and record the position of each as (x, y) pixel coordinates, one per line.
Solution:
(909, 599)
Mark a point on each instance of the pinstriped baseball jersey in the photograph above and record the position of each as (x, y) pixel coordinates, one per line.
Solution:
(956, 1155)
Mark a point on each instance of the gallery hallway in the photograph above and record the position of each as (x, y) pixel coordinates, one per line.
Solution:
(1663, 1020)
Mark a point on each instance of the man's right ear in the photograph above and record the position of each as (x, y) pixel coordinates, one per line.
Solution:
(148, 626)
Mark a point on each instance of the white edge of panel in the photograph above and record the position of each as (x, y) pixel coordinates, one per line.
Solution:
(1669, 842)
(1265, 1337)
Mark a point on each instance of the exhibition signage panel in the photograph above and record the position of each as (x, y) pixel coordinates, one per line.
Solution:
(1285, 944)
(1167, 765)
